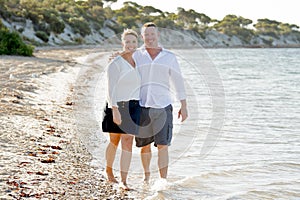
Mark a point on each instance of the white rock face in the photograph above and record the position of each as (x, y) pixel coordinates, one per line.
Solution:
(169, 38)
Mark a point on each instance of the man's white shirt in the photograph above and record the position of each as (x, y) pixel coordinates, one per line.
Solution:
(161, 78)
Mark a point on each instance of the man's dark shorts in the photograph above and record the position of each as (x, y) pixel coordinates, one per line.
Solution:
(155, 126)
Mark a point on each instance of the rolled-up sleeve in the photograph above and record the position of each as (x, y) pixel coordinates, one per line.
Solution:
(177, 80)
(112, 81)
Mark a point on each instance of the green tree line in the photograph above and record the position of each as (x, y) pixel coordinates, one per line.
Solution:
(84, 15)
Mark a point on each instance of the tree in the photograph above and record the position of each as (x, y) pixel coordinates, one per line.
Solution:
(234, 25)
(127, 21)
(95, 3)
(128, 10)
(110, 1)
(148, 10)
(267, 26)
(204, 18)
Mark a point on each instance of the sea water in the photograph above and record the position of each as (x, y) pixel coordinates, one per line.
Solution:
(242, 137)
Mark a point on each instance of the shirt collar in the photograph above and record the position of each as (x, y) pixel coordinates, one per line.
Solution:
(145, 52)
(159, 45)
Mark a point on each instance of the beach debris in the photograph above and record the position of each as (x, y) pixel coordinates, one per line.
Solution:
(56, 147)
(15, 183)
(41, 173)
(52, 147)
(69, 103)
(31, 154)
(24, 163)
(48, 160)
(50, 129)
(38, 173)
(64, 142)
(72, 182)
(16, 101)
(18, 96)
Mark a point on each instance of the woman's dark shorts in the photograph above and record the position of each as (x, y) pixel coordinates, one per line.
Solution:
(130, 115)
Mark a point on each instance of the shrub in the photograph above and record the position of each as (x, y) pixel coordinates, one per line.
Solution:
(2, 27)
(79, 40)
(53, 19)
(57, 26)
(12, 44)
(80, 26)
(42, 35)
(20, 30)
(42, 26)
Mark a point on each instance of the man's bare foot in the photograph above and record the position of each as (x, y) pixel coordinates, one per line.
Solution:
(124, 186)
(147, 178)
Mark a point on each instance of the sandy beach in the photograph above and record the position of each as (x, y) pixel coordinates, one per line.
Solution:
(41, 155)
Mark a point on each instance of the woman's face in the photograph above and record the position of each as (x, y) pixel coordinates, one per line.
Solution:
(130, 43)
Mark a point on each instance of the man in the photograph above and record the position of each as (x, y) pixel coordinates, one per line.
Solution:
(159, 69)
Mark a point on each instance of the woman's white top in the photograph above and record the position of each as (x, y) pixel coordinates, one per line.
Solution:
(123, 82)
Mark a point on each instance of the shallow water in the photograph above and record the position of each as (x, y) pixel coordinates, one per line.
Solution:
(241, 140)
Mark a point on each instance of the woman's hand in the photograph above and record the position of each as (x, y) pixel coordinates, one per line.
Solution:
(116, 116)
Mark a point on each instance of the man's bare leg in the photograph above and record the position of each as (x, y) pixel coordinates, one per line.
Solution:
(146, 158)
(163, 160)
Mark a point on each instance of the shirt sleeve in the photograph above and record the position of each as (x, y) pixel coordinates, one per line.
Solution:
(177, 80)
(113, 74)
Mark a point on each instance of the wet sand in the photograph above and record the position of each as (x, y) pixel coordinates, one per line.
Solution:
(41, 155)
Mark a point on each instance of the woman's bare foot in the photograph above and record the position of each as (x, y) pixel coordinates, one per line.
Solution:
(124, 186)
(110, 175)
(111, 179)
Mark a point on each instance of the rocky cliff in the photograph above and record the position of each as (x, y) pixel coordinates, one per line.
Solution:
(170, 38)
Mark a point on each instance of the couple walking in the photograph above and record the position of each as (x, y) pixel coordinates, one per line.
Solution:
(139, 102)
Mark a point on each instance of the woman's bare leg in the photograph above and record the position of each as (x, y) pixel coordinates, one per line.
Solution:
(111, 150)
(126, 155)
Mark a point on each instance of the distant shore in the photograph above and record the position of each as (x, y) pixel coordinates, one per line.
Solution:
(100, 48)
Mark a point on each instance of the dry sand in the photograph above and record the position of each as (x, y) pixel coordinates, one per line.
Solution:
(42, 156)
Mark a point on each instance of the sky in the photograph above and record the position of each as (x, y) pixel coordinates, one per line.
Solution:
(286, 11)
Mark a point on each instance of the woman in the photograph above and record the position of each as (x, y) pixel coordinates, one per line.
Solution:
(121, 115)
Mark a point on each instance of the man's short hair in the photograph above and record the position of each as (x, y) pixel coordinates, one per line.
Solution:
(149, 24)
(146, 25)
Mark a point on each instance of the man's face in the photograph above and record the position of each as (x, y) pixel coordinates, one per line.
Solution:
(150, 37)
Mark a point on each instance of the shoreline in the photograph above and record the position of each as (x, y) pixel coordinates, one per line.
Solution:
(42, 155)
(117, 47)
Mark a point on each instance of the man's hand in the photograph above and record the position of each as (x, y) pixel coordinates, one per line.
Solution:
(113, 55)
(116, 116)
(183, 111)
(118, 53)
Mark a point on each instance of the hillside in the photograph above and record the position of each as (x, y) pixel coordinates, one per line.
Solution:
(62, 22)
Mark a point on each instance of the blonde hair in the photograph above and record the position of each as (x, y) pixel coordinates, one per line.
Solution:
(128, 32)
